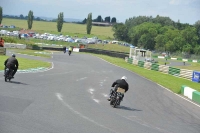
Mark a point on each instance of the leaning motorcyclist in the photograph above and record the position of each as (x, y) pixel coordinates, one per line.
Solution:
(119, 83)
(12, 63)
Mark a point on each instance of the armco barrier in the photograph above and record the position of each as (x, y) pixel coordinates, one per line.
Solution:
(2, 51)
(105, 52)
(190, 93)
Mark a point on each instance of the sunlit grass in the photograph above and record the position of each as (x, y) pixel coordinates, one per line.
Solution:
(25, 63)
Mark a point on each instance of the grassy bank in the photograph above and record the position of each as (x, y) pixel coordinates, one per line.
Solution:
(25, 63)
(41, 53)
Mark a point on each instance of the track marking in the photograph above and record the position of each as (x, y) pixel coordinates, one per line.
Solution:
(56, 73)
(60, 97)
(91, 91)
(81, 79)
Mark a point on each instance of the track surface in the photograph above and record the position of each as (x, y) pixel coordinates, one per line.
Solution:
(71, 98)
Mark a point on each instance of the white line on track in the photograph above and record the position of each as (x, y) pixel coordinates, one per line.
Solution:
(151, 81)
(105, 95)
(81, 79)
(91, 91)
(141, 122)
(60, 97)
(56, 73)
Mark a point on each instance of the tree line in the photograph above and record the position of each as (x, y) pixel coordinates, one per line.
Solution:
(100, 19)
(160, 34)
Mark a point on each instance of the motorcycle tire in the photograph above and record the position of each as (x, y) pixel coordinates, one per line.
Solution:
(6, 75)
(115, 103)
(5, 78)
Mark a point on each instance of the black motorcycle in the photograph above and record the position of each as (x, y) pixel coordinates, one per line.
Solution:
(116, 97)
(69, 52)
(8, 74)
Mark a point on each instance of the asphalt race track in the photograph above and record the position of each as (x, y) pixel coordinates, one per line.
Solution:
(72, 98)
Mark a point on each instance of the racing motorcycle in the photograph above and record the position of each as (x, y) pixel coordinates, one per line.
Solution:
(8, 74)
(116, 97)
(69, 52)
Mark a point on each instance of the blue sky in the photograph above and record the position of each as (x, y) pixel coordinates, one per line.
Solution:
(187, 11)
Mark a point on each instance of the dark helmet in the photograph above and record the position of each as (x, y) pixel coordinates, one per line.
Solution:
(13, 55)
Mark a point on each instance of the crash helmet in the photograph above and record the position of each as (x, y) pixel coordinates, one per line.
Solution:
(124, 78)
(13, 55)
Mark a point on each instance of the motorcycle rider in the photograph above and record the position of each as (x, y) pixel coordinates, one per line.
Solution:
(119, 83)
(64, 49)
(70, 50)
(12, 63)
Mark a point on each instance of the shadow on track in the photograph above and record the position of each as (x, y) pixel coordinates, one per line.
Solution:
(15, 82)
(128, 108)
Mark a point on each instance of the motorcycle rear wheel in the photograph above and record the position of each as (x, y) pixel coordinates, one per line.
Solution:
(115, 103)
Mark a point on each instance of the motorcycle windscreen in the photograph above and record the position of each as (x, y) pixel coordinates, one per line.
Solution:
(120, 90)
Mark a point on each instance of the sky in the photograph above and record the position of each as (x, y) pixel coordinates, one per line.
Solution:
(186, 11)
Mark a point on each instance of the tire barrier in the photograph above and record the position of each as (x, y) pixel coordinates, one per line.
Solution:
(190, 93)
(183, 73)
(147, 65)
(141, 63)
(164, 69)
(174, 71)
(186, 73)
(155, 67)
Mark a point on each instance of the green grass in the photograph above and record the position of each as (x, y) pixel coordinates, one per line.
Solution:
(165, 80)
(41, 53)
(67, 29)
(25, 63)
(110, 47)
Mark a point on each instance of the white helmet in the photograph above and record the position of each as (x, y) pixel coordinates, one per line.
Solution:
(124, 77)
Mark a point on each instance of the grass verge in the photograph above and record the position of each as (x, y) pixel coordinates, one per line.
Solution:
(25, 63)
(41, 53)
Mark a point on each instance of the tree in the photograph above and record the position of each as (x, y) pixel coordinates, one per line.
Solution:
(1, 14)
(107, 19)
(84, 21)
(21, 16)
(60, 21)
(113, 20)
(190, 36)
(120, 32)
(89, 23)
(30, 19)
(197, 26)
(144, 35)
